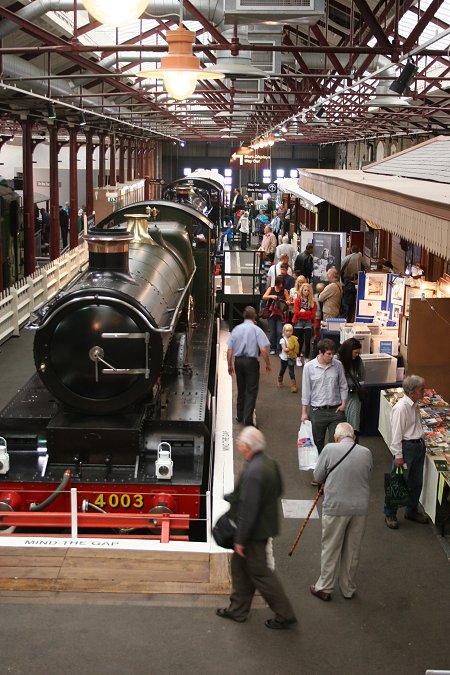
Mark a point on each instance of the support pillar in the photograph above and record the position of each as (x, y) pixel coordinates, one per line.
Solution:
(89, 173)
(28, 198)
(146, 189)
(101, 161)
(112, 159)
(54, 240)
(73, 187)
(158, 166)
(130, 160)
(136, 160)
(121, 160)
(142, 159)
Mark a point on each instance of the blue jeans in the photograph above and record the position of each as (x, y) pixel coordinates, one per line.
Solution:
(414, 457)
(290, 363)
(275, 333)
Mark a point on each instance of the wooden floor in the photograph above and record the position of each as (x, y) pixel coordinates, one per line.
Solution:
(100, 571)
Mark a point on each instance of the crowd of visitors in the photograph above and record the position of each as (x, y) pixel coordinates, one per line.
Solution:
(332, 394)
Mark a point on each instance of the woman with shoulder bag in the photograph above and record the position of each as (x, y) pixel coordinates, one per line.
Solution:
(278, 301)
(349, 355)
(303, 319)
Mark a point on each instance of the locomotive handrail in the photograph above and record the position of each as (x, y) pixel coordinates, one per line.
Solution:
(166, 329)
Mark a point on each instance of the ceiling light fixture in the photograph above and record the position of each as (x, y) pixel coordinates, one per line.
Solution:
(51, 114)
(115, 12)
(82, 120)
(321, 112)
(401, 84)
(180, 69)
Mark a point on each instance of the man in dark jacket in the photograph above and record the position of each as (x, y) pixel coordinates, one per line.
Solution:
(254, 507)
(304, 263)
(64, 225)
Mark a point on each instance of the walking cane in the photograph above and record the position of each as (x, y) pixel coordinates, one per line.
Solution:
(305, 522)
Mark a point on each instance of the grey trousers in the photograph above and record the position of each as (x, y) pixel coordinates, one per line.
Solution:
(321, 420)
(252, 573)
(341, 544)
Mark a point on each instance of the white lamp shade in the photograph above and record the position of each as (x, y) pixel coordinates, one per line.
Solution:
(180, 84)
(115, 12)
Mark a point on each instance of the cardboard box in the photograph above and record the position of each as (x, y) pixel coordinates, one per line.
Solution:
(359, 331)
(384, 344)
(380, 368)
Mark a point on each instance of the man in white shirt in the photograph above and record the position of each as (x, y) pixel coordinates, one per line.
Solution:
(285, 248)
(324, 393)
(408, 449)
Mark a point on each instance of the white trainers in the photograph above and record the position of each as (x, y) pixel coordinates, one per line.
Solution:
(272, 351)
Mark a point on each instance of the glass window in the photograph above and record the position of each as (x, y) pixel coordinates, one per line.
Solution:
(267, 174)
(280, 173)
(228, 180)
(228, 172)
(293, 173)
(215, 170)
(187, 171)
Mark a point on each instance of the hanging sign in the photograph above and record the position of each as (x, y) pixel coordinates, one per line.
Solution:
(245, 157)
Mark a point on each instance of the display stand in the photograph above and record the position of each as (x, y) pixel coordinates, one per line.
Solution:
(428, 336)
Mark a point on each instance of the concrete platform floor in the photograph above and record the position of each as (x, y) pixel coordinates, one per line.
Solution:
(398, 623)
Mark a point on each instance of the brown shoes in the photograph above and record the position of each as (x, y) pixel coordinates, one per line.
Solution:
(323, 595)
(416, 517)
(391, 522)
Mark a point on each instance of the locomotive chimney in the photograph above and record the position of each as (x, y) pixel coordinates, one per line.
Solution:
(108, 250)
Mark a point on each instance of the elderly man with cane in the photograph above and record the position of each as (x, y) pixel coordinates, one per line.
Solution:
(344, 468)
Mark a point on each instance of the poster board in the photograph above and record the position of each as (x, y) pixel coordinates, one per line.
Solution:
(378, 287)
(327, 253)
(428, 329)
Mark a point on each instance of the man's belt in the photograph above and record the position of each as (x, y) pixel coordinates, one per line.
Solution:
(326, 407)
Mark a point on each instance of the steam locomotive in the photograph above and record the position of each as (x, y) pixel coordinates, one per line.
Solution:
(121, 405)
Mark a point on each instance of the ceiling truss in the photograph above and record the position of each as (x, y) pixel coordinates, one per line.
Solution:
(332, 64)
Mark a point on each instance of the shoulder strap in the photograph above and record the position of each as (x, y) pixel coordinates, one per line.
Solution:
(355, 380)
(341, 460)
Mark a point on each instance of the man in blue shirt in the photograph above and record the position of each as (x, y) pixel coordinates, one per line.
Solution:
(245, 344)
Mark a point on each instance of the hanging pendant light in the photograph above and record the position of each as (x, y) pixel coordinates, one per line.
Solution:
(180, 69)
(115, 12)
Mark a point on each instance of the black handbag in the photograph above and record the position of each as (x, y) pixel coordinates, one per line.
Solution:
(224, 531)
(362, 393)
(395, 489)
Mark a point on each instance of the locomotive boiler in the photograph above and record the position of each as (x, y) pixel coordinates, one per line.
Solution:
(99, 348)
(120, 406)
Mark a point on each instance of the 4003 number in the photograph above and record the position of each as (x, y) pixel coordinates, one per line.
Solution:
(124, 501)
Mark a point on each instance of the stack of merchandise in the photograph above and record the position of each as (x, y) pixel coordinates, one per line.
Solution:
(435, 416)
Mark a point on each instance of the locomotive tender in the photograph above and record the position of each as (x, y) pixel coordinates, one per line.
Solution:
(121, 404)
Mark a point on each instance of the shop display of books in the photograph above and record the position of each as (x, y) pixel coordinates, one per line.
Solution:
(435, 417)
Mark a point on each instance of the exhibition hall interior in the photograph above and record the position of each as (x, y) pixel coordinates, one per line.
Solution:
(174, 173)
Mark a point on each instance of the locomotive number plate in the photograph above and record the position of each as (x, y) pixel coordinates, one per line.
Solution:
(122, 500)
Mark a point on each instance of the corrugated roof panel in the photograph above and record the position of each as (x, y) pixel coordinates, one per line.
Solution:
(428, 161)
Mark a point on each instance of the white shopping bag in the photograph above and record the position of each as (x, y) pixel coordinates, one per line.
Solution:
(307, 451)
